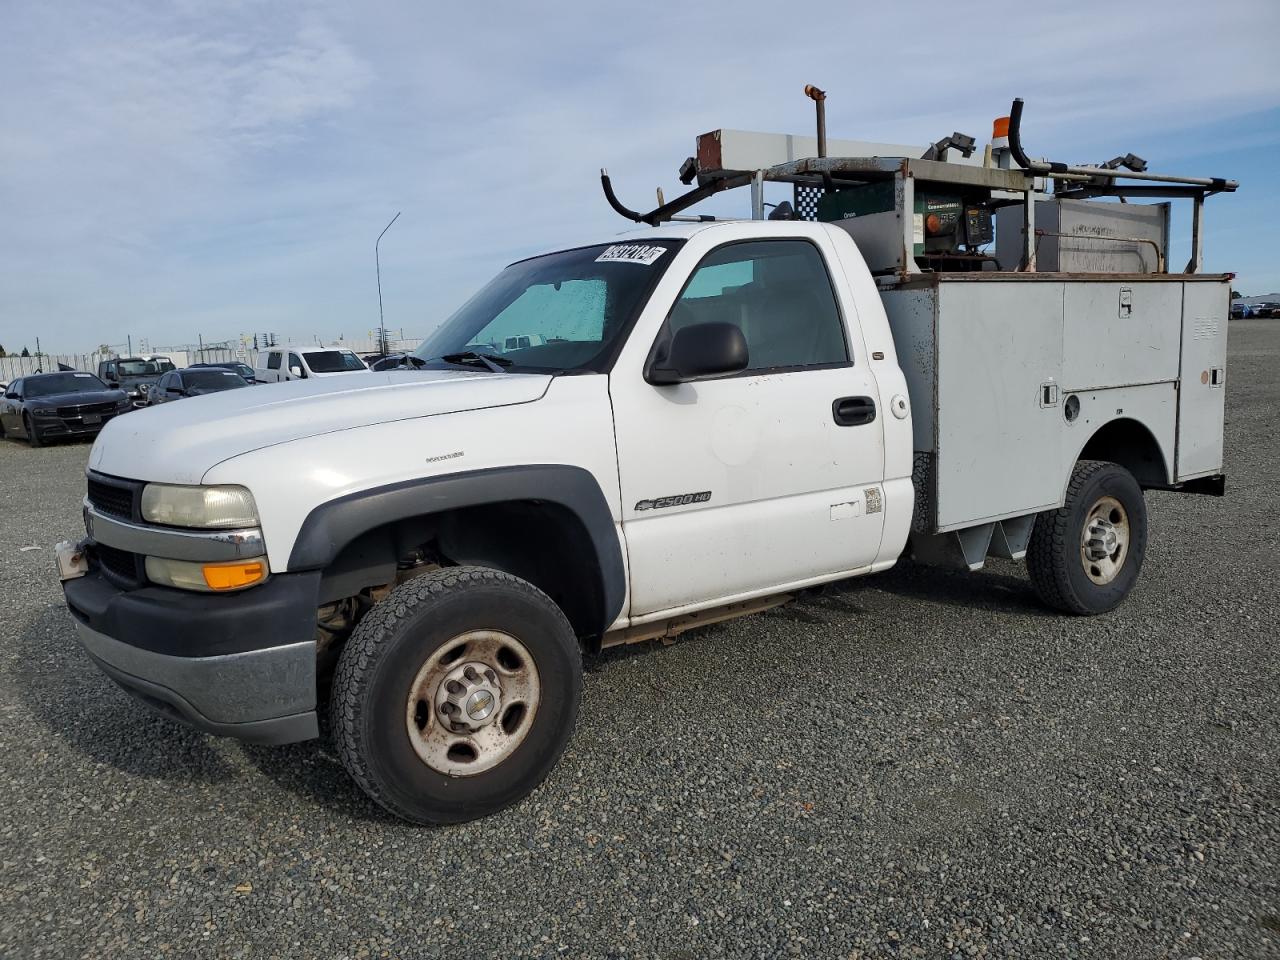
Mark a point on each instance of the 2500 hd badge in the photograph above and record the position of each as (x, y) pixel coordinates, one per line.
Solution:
(679, 500)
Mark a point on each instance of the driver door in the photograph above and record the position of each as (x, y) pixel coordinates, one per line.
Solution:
(746, 483)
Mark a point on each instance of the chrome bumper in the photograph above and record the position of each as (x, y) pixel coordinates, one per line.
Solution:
(201, 546)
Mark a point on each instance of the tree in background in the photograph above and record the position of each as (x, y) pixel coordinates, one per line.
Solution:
(2, 353)
(25, 352)
(1235, 295)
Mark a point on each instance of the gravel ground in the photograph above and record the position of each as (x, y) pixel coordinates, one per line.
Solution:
(915, 764)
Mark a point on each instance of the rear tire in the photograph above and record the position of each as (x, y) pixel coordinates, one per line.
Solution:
(407, 670)
(1085, 557)
(33, 437)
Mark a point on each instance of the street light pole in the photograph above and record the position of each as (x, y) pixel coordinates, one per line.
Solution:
(382, 327)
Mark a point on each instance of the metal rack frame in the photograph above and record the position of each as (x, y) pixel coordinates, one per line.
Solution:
(1070, 182)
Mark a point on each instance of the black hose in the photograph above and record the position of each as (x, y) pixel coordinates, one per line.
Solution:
(1015, 135)
(672, 207)
(616, 203)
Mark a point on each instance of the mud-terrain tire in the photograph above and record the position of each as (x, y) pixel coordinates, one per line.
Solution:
(397, 684)
(1085, 557)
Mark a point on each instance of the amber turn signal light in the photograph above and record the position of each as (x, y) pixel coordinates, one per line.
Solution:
(233, 576)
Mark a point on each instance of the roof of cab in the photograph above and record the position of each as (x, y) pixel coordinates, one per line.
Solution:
(684, 231)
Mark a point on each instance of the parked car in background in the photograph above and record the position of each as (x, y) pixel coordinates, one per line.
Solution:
(193, 382)
(395, 361)
(43, 406)
(300, 363)
(235, 366)
(134, 375)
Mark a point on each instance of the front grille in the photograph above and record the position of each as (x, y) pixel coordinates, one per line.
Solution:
(120, 565)
(81, 409)
(112, 496)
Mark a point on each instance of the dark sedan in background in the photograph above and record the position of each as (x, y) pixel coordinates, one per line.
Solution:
(45, 406)
(235, 366)
(193, 382)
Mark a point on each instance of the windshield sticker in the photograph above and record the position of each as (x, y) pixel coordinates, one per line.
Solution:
(82, 374)
(631, 253)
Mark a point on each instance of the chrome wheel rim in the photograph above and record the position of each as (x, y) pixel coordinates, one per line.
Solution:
(1104, 542)
(472, 703)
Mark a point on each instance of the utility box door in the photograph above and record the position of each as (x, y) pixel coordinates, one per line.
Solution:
(1202, 396)
(1118, 333)
(998, 344)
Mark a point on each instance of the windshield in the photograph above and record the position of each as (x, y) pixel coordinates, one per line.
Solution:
(144, 368)
(53, 383)
(334, 361)
(563, 311)
(208, 380)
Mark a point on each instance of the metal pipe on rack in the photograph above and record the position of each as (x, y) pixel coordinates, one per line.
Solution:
(1063, 171)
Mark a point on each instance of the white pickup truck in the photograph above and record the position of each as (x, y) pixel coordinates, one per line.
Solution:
(710, 417)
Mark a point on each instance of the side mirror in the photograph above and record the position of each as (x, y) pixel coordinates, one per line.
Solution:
(698, 352)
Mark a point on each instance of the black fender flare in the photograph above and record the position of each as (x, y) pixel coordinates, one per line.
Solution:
(330, 526)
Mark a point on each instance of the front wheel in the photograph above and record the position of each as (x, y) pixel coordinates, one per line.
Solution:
(1085, 557)
(456, 695)
(33, 437)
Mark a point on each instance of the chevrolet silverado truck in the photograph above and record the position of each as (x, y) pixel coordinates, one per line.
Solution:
(708, 418)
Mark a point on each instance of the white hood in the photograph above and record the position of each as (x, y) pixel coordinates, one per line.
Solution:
(179, 442)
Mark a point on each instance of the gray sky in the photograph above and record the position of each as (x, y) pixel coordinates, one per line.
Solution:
(169, 170)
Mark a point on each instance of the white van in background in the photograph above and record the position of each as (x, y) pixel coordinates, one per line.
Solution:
(300, 363)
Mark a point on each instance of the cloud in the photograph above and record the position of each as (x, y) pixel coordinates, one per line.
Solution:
(220, 168)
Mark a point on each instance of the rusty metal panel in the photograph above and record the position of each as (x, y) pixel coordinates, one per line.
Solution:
(1087, 236)
(912, 314)
(747, 150)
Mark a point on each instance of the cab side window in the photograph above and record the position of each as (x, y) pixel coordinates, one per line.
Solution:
(295, 366)
(778, 293)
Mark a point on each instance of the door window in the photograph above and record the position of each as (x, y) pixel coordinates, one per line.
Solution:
(295, 366)
(778, 293)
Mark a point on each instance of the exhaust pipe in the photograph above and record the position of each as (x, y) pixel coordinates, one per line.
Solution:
(819, 98)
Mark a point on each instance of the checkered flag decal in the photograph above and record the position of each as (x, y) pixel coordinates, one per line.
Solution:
(806, 202)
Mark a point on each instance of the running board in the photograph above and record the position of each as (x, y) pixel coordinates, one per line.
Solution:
(668, 630)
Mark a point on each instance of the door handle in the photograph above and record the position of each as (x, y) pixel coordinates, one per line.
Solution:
(853, 411)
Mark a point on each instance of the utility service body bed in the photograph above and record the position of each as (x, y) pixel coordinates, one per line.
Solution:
(1012, 374)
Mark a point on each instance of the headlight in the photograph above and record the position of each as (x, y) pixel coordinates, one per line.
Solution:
(209, 577)
(219, 507)
(45, 411)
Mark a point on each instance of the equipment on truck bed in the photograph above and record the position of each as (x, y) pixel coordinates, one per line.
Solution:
(938, 208)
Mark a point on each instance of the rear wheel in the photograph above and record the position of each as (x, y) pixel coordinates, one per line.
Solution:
(1085, 557)
(33, 437)
(456, 695)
